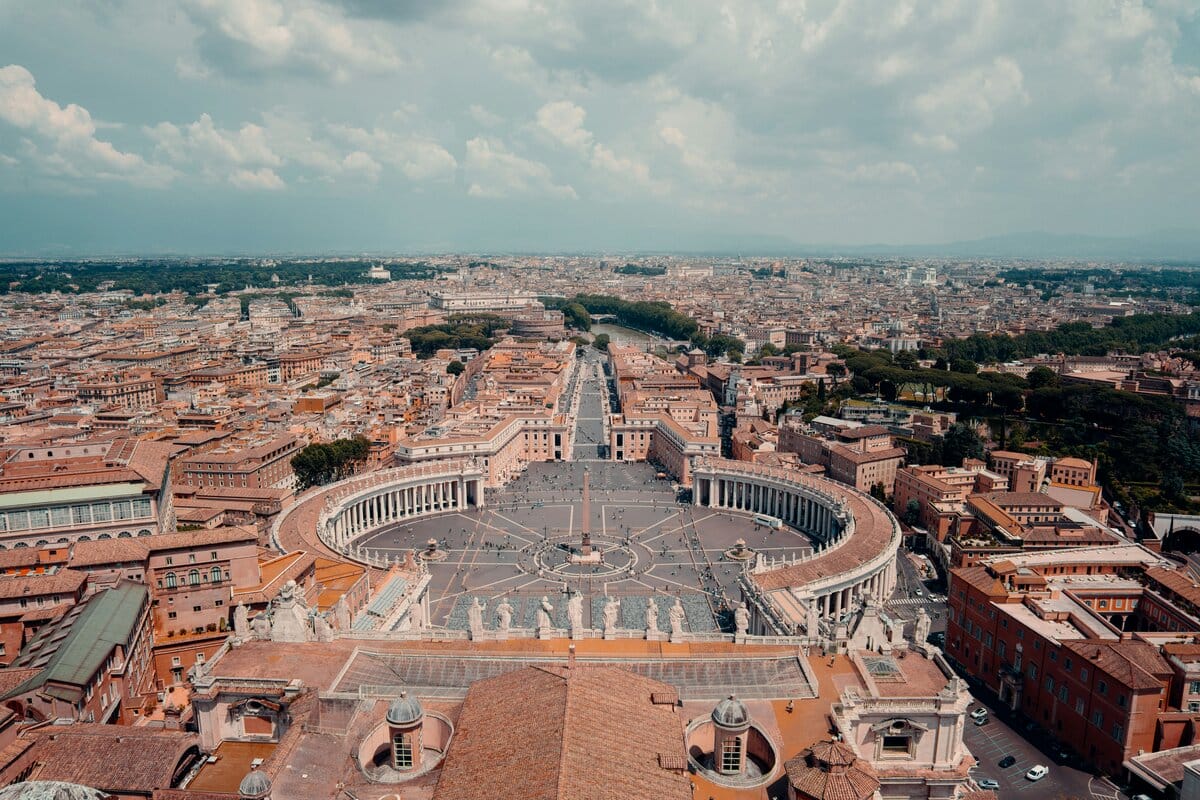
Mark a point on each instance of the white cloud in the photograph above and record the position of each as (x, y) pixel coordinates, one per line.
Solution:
(484, 117)
(261, 178)
(494, 171)
(563, 120)
(70, 132)
(969, 102)
(418, 158)
(267, 34)
(203, 142)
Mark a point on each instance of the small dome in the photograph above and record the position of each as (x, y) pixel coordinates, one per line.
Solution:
(404, 710)
(256, 784)
(731, 713)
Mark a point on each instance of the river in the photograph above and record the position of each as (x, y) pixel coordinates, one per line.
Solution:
(622, 335)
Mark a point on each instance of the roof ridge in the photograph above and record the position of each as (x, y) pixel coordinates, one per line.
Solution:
(566, 726)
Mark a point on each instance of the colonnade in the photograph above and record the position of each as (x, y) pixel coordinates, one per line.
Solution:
(823, 510)
(380, 506)
(797, 506)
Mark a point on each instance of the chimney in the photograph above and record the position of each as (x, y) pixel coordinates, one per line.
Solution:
(571, 655)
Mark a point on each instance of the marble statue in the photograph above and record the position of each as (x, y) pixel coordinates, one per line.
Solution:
(322, 630)
(260, 626)
(651, 617)
(290, 622)
(241, 622)
(676, 616)
(921, 628)
(612, 610)
(504, 613)
(475, 616)
(341, 614)
(741, 619)
(543, 613)
(575, 612)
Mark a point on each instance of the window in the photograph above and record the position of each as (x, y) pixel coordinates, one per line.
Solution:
(1067, 663)
(1049, 683)
(172, 581)
(1054, 655)
(1079, 705)
(731, 755)
(1062, 693)
(1000, 649)
(176, 661)
(191, 558)
(1083, 674)
(195, 608)
(214, 574)
(213, 555)
(895, 745)
(1033, 671)
(1102, 687)
(171, 615)
(194, 577)
(1118, 732)
(170, 560)
(1195, 687)
(402, 751)
(1098, 718)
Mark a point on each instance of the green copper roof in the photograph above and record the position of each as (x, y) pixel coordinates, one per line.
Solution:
(108, 619)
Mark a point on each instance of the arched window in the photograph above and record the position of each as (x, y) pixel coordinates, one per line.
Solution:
(124, 535)
(402, 754)
(172, 581)
(194, 577)
(143, 532)
(214, 574)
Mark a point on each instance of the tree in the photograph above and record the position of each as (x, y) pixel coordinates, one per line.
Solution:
(912, 513)
(318, 464)
(836, 370)
(1042, 376)
(964, 365)
(906, 359)
(960, 442)
(455, 367)
(821, 389)
(601, 342)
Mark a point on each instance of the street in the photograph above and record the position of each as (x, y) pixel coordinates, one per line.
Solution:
(996, 739)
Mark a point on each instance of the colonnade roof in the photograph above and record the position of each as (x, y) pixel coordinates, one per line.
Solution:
(873, 529)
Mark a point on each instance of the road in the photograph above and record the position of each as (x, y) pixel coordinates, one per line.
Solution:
(906, 602)
(996, 739)
(589, 439)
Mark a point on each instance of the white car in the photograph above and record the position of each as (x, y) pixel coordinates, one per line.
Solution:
(1036, 773)
(979, 713)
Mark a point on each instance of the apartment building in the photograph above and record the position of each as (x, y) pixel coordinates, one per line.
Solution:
(263, 463)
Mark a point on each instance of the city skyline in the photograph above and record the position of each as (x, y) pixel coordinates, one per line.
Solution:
(209, 127)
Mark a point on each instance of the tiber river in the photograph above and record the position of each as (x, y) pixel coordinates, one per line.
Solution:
(621, 335)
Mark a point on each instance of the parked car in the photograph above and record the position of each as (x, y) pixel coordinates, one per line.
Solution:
(988, 783)
(1036, 773)
(979, 716)
(1007, 762)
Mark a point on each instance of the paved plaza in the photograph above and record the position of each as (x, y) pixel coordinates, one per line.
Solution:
(652, 545)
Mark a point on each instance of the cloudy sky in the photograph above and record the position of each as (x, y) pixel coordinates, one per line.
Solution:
(348, 125)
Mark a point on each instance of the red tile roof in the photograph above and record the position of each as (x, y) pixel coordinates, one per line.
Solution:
(558, 733)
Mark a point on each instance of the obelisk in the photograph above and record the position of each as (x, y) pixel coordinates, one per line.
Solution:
(586, 548)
